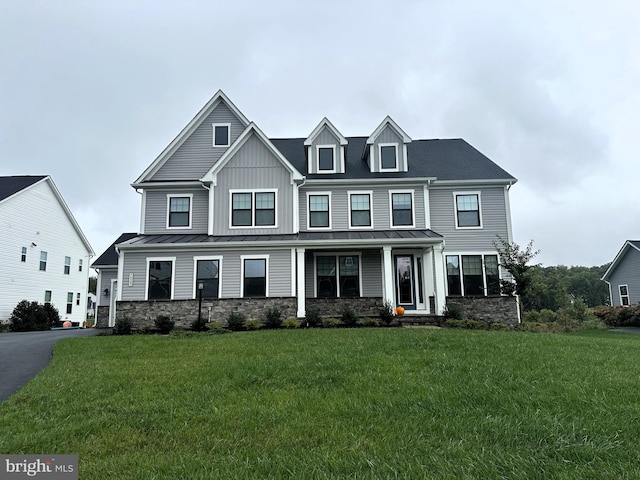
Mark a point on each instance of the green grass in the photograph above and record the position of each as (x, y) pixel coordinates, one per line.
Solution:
(346, 403)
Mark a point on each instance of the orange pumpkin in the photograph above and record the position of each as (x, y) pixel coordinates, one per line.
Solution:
(66, 324)
(398, 311)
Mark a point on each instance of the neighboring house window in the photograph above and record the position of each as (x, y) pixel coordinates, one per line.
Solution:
(47, 296)
(326, 158)
(221, 134)
(473, 275)
(80, 265)
(319, 211)
(402, 209)
(43, 261)
(77, 299)
(208, 274)
(23, 256)
(360, 209)
(179, 211)
(67, 265)
(69, 302)
(254, 280)
(624, 295)
(160, 279)
(253, 209)
(388, 156)
(343, 281)
(468, 210)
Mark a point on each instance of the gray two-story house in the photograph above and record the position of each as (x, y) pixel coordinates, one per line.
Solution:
(243, 221)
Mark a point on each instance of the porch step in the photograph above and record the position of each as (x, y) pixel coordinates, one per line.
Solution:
(421, 320)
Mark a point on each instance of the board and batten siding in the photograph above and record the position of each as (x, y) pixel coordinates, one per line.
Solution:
(325, 137)
(279, 274)
(197, 154)
(380, 207)
(494, 219)
(34, 218)
(253, 167)
(627, 272)
(155, 212)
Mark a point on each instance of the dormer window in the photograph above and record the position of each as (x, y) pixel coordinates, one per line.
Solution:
(326, 158)
(388, 156)
(221, 134)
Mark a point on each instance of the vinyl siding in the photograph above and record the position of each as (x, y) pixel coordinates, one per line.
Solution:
(197, 154)
(155, 221)
(34, 218)
(325, 137)
(279, 273)
(106, 275)
(253, 167)
(371, 271)
(627, 273)
(494, 219)
(381, 212)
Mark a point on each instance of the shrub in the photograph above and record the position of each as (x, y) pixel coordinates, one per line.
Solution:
(369, 322)
(498, 326)
(349, 317)
(452, 312)
(273, 317)
(123, 326)
(199, 325)
(467, 323)
(216, 328)
(253, 324)
(164, 324)
(30, 316)
(235, 321)
(4, 327)
(330, 322)
(386, 312)
(313, 317)
(291, 323)
(52, 313)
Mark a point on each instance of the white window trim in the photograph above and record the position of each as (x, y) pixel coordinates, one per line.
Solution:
(266, 272)
(180, 195)
(397, 167)
(213, 130)
(361, 192)
(195, 272)
(413, 209)
(253, 208)
(455, 209)
(173, 274)
(317, 194)
(337, 257)
(335, 160)
(446, 254)
(622, 296)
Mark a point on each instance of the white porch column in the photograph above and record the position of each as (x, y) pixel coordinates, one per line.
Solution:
(438, 265)
(429, 287)
(301, 284)
(388, 283)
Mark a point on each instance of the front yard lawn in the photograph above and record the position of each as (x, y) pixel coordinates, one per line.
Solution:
(346, 403)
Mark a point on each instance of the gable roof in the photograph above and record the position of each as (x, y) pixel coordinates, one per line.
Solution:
(388, 121)
(186, 132)
(443, 160)
(109, 257)
(9, 186)
(325, 123)
(629, 244)
(210, 176)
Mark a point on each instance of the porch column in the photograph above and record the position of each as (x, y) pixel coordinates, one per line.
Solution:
(300, 269)
(438, 265)
(429, 288)
(387, 269)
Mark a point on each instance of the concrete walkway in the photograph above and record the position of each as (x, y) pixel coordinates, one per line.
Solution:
(24, 354)
(626, 330)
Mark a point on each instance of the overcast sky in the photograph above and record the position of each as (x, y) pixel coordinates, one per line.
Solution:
(92, 92)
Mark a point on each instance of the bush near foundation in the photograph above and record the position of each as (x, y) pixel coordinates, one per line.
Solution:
(619, 316)
(31, 316)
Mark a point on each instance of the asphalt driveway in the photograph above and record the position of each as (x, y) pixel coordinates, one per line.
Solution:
(24, 354)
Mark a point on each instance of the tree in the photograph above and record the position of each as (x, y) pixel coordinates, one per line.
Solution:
(515, 261)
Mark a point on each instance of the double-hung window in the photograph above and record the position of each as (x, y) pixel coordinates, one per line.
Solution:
(77, 299)
(160, 278)
(254, 276)
(221, 134)
(326, 158)
(43, 261)
(468, 210)
(67, 265)
(253, 209)
(23, 255)
(319, 216)
(80, 265)
(207, 275)
(360, 210)
(337, 276)
(69, 302)
(47, 296)
(624, 295)
(179, 211)
(388, 156)
(473, 275)
(402, 209)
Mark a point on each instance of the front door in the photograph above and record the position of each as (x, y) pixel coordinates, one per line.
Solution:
(405, 293)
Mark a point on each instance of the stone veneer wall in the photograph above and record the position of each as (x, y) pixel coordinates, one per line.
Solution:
(487, 309)
(102, 317)
(332, 307)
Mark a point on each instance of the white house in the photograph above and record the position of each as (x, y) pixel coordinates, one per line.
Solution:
(44, 256)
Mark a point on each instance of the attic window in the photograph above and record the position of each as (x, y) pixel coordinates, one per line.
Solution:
(326, 158)
(221, 134)
(388, 156)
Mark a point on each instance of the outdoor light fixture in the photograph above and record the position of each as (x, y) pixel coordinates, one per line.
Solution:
(106, 292)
